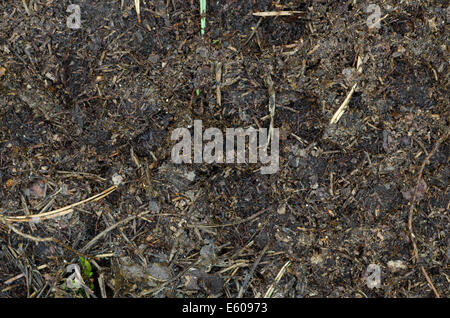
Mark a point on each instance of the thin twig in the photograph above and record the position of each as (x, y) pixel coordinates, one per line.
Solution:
(411, 214)
(288, 108)
(218, 80)
(13, 279)
(26, 7)
(254, 216)
(343, 106)
(272, 104)
(109, 229)
(252, 270)
(253, 31)
(276, 13)
(277, 279)
(47, 239)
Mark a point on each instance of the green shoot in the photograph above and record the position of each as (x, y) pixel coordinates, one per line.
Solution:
(202, 16)
(87, 271)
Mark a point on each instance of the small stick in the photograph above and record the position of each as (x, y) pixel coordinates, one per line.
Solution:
(272, 104)
(299, 139)
(26, 7)
(276, 13)
(253, 31)
(277, 279)
(12, 279)
(109, 229)
(343, 106)
(218, 83)
(137, 4)
(27, 211)
(252, 270)
(411, 214)
(101, 284)
(254, 216)
(289, 108)
(48, 239)
(55, 213)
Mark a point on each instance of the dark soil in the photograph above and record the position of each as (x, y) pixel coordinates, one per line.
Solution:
(80, 107)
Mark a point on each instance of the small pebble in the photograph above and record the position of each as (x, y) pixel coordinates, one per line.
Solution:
(117, 179)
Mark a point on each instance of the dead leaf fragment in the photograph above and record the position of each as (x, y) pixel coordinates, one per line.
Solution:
(9, 183)
(420, 190)
(199, 280)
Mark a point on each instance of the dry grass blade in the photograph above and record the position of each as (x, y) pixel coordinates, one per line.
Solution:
(13, 279)
(137, 4)
(276, 13)
(109, 229)
(343, 106)
(254, 216)
(24, 2)
(47, 239)
(271, 89)
(55, 213)
(277, 280)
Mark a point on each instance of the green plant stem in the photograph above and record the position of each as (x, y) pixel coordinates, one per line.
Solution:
(202, 16)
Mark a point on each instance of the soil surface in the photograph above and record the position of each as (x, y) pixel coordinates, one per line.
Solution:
(90, 109)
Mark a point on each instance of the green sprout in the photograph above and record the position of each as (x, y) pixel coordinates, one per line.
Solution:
(87, 271)
(202, 16)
